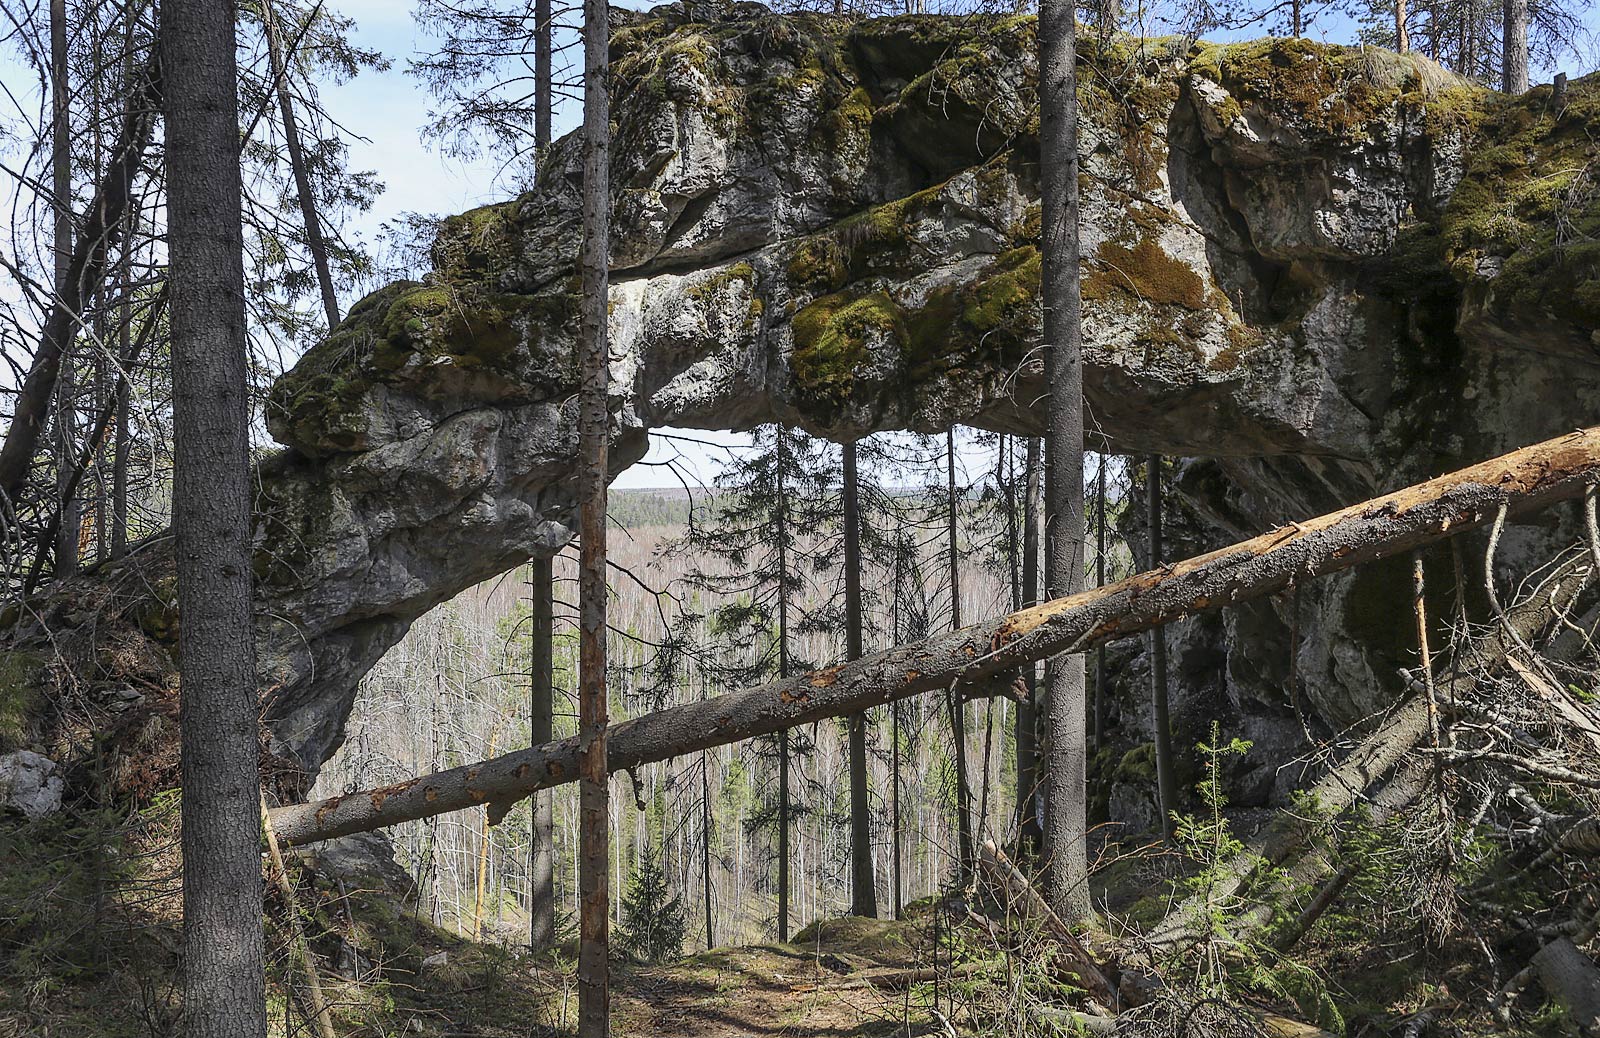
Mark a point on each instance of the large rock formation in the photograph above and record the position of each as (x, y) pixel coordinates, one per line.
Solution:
(1325, 270)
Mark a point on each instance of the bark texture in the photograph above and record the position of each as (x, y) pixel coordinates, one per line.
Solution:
(594, 435)
(863, 879)
(1514, 47)
(1066, 739)
(1524, 480)
(223, 981)
(542, 913)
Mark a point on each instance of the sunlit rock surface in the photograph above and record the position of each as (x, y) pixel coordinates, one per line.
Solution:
(1318, 271)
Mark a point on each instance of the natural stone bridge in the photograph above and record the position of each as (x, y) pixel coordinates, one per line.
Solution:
(1318, 271)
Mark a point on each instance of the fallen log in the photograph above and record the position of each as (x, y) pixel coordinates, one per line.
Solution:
(1572, 979)
(1034, 910)
(1522, 481)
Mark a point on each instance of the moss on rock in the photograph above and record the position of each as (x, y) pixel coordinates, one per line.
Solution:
(1329, 89)
(1525, 218)
(831, 339)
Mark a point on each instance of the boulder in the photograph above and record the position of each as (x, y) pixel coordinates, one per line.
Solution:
(30, 784)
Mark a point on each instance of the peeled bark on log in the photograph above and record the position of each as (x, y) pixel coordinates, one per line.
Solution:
(1036, 911)
(1524, 480)
(1572, 979)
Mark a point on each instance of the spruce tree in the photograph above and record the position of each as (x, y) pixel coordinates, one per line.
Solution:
(753, 544)
(653, 922)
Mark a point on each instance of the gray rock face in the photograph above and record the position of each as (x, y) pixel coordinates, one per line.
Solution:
(29, 784)
(1294, 274)
(362, 861)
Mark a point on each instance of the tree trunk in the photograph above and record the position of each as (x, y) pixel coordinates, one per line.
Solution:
(222, 940)
(1066, 832)
(783, 674)
(542, 862)
(863, 877)
(119, 443)
(897, 866)
(1514, 48)
(594, 429)
(297, 166)
(705, 842)
(1402, 34)
(543, 29)
(1029, 835)
(1524, 481)
(78, 466)
(1099, 714)
(86, 268)
(957, 707)
(66, 546)
(1166, 777)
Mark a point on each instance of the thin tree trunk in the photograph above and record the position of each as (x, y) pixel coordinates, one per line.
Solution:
(86, 268)
(1029, 835)
(1099, 719)
(119, 446)
(542, 860)
(543, 30)
(594, 981)
(957, 705)
(224, 995)
(1524, 481)
(86, 450)
(894, 747)
(1166, 778)
(321, 1018)
(863, 878)
(1402, 33)
(66, 546)
(783, 674)
(705, 842)
(1514, 47)
(1066, 833)
(297, 166)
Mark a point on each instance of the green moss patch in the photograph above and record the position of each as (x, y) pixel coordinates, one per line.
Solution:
(1145, 271)
(831, 338)
(1337, 91)
(1529, 205)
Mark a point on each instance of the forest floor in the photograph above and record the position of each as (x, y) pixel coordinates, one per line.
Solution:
(434, 983)
(90, 939)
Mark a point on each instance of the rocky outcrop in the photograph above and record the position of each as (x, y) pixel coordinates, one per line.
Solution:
(29, 784)
(1318, 271)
